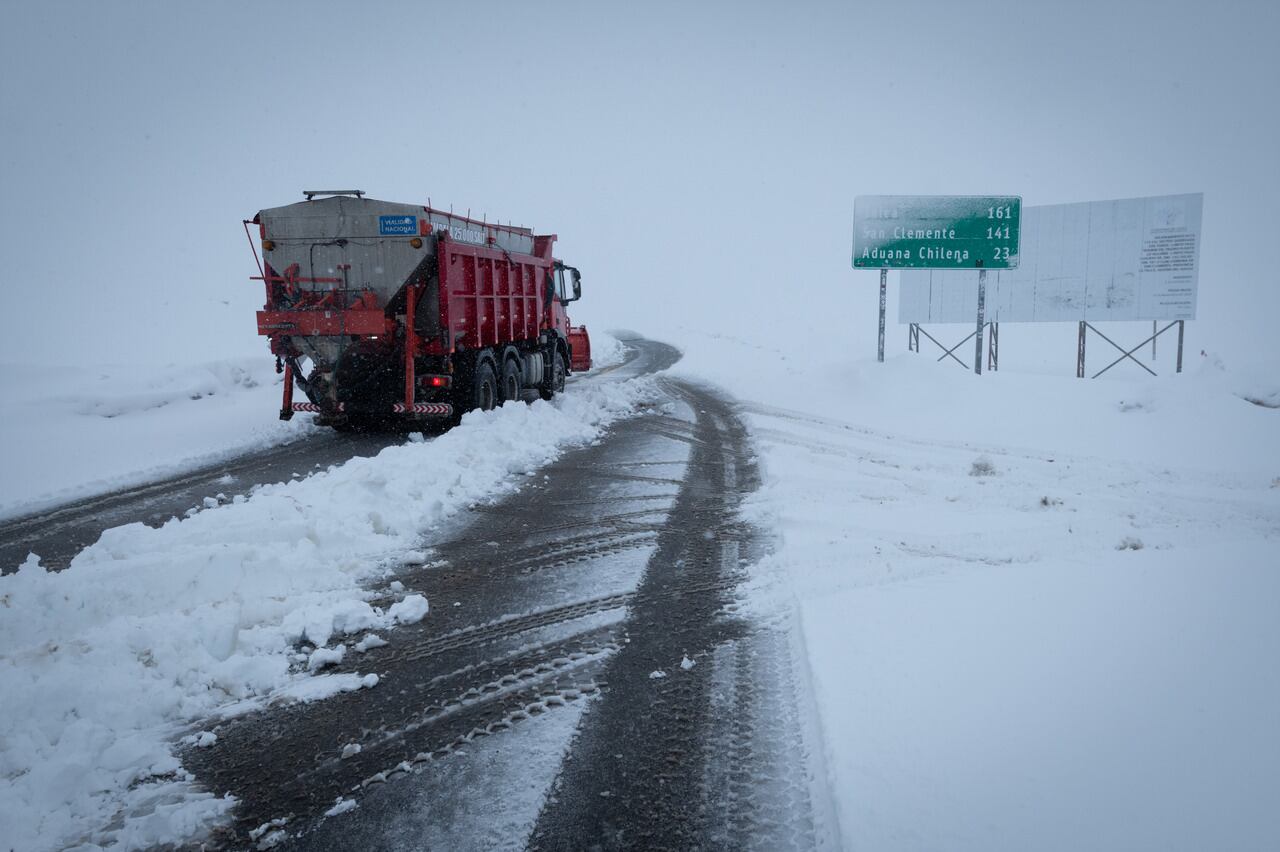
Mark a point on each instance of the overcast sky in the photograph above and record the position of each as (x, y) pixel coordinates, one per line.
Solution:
(699, 161)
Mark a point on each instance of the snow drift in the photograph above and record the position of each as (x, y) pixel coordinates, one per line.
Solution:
(151, 629)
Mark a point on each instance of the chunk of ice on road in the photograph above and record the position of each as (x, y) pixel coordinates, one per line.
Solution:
(411, 610)
(659, 673)
(201, 739)
(320, 687)
(322, 657)
(258, 832)
(687, 663)
(341, 807)
(272, 840)
(370, 640)
(350, 750)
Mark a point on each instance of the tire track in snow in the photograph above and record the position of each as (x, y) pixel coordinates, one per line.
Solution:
(692, 685)
(573, 590)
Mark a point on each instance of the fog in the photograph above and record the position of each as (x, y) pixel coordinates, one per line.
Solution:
(699, 163)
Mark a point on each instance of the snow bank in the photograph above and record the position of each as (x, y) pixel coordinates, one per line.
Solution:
(85, 432)
(153, 628)
(75, 432)
(606, 350)
(1038, 612)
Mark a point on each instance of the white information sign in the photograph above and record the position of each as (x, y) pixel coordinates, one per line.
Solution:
(1100, 261)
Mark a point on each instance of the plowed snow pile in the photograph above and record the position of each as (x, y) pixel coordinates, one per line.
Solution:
(152, 630)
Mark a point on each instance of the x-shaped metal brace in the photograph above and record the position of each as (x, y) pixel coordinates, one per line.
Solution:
(951, 352)
(1128, 353)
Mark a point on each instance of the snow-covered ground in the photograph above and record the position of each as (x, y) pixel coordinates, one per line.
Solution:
(73, 431)
(1038, 612)
(150, 631)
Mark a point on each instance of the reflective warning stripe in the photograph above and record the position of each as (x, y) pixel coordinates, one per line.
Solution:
(443, 409)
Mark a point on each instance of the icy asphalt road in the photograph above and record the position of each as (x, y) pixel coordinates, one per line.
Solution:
(58, 534)
(583, 680)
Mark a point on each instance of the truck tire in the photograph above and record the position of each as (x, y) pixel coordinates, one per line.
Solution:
(510, 387)
(484, 387)
(555, 378)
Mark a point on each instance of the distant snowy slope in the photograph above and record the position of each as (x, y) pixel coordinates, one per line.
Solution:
(72, 432)
(1039, 612)
(1203, 417)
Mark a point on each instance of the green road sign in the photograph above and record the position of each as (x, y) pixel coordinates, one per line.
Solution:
(936, 231)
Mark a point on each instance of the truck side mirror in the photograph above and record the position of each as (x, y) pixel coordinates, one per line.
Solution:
(577, 286)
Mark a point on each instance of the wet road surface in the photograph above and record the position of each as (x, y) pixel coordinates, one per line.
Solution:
(584, 679)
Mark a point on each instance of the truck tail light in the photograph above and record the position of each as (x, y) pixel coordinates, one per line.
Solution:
(433, 381)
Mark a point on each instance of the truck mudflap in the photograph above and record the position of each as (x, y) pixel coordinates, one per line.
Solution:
(580, 349)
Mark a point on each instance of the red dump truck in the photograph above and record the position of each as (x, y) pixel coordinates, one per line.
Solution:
(388, 314)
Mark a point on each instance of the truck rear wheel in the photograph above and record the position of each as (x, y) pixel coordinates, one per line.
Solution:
(484, 388)
(510, 382)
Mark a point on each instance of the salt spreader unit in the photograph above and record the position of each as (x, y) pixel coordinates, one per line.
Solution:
(404, 313)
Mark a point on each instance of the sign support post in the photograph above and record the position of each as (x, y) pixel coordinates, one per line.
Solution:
(982, 306)
(1080, 351)
(884, 275)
